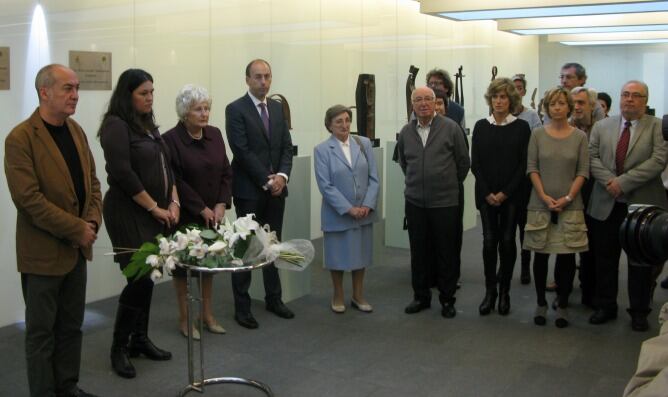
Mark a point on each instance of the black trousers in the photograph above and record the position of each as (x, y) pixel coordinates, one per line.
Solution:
(498, 235)
(268, 210)
(432, 236)
(564, 273)
(54, 315)
(607, 251)
(587, 274)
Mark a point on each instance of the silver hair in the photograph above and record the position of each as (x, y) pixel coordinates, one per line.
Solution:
(592, 95)
(429, 88)
(189, 96)
(642, 83)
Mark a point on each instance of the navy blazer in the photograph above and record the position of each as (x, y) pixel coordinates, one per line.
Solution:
(344, 186)
(255, 156)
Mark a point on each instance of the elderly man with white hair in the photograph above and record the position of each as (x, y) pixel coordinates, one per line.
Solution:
(435, 160)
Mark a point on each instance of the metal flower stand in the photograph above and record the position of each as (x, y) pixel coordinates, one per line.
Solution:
(199, 383)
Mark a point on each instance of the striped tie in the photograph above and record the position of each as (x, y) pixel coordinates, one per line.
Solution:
(265, 118)
(622, 147)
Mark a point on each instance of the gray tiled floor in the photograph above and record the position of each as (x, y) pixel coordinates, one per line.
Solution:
(384, 354)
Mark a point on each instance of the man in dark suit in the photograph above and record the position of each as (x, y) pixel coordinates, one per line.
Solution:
(258, 135)
(51, 177)
(627, 155)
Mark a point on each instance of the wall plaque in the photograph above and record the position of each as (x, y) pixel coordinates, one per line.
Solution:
(93, 69)
(4, 68)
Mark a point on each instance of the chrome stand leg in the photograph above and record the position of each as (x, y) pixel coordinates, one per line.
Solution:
(198, 384)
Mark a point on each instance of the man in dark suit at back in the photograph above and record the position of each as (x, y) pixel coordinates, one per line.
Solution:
(258, 135)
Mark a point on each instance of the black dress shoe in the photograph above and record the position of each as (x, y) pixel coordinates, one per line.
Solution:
(488, 303)
(639, 323)
(448, 310)
(246, 320)
(602, 317)
(279, 309)
(416, 307)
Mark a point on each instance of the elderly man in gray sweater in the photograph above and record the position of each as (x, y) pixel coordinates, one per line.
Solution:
(433, 156)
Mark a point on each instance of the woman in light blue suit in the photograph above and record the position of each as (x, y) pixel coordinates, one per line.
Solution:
(348, 181)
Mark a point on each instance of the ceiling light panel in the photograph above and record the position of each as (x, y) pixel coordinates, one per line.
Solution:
(479, 10)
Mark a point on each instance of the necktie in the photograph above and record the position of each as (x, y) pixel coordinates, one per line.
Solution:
(265, 118)
(622, 147)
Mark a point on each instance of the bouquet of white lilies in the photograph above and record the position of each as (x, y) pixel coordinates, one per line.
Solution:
(229, 244)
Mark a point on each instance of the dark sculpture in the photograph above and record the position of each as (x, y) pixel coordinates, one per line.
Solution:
(459, 86)
(286, 107)
(365, 104)
(410, 87)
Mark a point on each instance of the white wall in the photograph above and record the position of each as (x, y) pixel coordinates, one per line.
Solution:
(316, 48)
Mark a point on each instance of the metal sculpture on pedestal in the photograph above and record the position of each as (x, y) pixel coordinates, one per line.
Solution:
(365, 104)
(459, 86)
(410, 86)
(286, 107)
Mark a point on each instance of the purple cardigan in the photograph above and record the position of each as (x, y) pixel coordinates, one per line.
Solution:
(202, 170)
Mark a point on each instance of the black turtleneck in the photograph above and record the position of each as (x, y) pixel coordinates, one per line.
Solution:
(63, 138)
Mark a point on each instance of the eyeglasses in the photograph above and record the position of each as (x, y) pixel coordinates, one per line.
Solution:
(634, 95)
(425, 99)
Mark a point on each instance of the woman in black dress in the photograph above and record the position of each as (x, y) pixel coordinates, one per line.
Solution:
(141, 203)
(498, 161)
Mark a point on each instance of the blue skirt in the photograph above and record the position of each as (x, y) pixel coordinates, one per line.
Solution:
(350, 249)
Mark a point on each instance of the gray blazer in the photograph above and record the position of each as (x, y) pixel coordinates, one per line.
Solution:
(645, 160)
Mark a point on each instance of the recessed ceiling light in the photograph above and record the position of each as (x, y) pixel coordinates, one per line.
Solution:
(615, 42)
(593, 29)
(537, 12)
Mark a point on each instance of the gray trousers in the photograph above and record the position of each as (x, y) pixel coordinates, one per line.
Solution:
(54, 315)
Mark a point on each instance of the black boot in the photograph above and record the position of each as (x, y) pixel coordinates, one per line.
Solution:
(141, 344)
(504, 302)
(126, 317)
(488, 303)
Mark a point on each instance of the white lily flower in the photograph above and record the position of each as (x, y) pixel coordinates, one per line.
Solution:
(153, 260)
(193, 235)
(218, 246)
(156, 275)
(198, 250)
(165, 246)
(237, 262)
(246, 224)
(170, 263)
(181, 241)
(224, 227)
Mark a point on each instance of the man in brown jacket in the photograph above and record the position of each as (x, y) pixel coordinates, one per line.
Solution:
(51, 177)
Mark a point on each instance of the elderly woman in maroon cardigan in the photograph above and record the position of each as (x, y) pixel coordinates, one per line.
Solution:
(203, 178)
